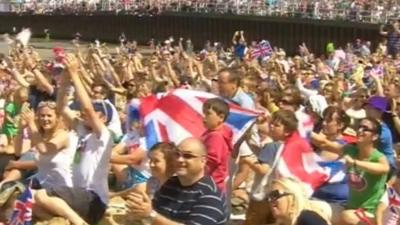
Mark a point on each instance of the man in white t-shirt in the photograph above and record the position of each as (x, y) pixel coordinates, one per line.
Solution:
(86, 201)
(99, 94)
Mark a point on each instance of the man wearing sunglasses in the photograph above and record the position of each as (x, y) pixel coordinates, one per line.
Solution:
(190, 197)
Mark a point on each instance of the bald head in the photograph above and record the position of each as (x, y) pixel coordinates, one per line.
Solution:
(194, 145)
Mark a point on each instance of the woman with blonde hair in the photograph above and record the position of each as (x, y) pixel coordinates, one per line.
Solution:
(290, 205)
(54, 144)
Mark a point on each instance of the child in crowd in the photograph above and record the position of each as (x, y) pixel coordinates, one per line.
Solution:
(131, 152)
(218, 140)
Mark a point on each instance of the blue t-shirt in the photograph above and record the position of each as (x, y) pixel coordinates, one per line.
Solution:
(385, 144)
(244, 100)
(268, 153)
(239, 50)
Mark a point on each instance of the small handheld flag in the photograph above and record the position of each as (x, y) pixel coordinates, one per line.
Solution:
(22, 214)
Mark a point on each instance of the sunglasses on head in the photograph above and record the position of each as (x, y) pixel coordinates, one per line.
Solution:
(49, 104)
(274, 195)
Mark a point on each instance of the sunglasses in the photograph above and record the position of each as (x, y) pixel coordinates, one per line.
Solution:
(49, 104)
(185, 155)
(363, 128)
(274, 195)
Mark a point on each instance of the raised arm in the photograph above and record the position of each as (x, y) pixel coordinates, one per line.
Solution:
(19, 78)
(43, 81)
(306, 92)
(86, 104)
(234, 37)
(40, 78)
(62, 102)
(242, 39)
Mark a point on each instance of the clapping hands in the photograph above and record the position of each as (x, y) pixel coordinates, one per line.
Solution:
(27, 116)
(139, 205)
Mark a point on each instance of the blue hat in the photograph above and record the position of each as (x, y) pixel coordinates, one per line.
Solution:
(98, 106)
(105, 108)
(379, 103)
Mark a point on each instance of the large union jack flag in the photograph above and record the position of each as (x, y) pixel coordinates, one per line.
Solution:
(22, 214)
(178, 114)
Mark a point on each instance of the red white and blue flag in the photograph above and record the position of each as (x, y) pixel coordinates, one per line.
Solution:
(178, 114)
(296, 159)
(262, 49)
(22, 214)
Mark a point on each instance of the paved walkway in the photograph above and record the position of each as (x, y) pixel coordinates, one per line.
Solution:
(44, 48)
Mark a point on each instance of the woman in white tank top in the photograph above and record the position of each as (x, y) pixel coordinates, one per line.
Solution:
(55, 145)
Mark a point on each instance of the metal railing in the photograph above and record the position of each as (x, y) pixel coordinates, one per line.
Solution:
(320, 10)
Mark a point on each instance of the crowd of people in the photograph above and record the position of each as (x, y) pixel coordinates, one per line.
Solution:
(353, 10)
(65, 133)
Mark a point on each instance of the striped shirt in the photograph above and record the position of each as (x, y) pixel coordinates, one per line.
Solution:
(199, 204)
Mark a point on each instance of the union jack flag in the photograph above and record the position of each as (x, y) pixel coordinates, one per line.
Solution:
(22, 214)
(178, 114)
(394, 201)
(261, 50)
(296, 159)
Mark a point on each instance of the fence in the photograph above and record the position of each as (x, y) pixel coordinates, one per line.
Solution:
(319, 10)
(287, 33)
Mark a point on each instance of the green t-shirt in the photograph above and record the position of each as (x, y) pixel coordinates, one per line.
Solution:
(366, 189)
(12, 110)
